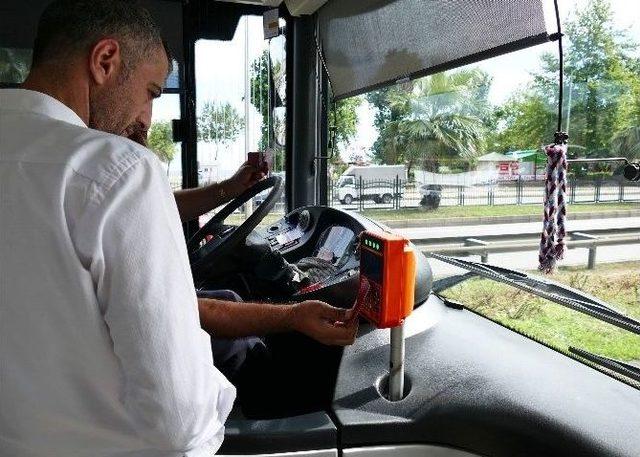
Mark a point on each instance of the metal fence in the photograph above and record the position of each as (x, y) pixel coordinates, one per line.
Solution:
(406, 194)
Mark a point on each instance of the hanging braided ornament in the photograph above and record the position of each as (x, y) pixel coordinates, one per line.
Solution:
(552, 245)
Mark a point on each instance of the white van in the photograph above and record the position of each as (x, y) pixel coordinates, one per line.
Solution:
(371, 182)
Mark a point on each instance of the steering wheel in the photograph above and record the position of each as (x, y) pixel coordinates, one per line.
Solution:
(216, 239)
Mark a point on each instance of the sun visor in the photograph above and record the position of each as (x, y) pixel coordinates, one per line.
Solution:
(373, 43)
(19, 22)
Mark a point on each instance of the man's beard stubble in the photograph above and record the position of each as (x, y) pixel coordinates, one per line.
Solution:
(136, 132)
(107, 110)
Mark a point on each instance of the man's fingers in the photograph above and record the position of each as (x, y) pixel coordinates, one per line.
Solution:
(334, 314)
(341, 335)
(350, 315)
(256, 177)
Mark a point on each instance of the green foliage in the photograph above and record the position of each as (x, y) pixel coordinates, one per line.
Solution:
(556, 325)
(160, 140)
(599, 75)
(527, 121)
(14, 65)
(437, 119)
(219, 123)
(261, 96)
(262, 75)
(627, 143)
(343, 119)
(337, 166)
(385, 113)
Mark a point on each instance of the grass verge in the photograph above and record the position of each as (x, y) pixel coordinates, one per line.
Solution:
(484, 211)
(560, 327)
(446, 212)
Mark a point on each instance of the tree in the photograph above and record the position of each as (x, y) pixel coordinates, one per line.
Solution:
(14, 65)
(385, 114)
(219, 123)
(343, 120)
(265, 98)
(525, 121)
(439, 118)
(627, 143)
(599, 71)
(343, 117)
(160, 141)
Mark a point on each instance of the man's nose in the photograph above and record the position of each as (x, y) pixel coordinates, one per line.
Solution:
(144, 118)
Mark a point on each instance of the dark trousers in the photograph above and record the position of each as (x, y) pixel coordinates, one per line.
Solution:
(229, 355)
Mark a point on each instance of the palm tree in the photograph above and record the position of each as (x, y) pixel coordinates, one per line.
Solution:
(444, 120)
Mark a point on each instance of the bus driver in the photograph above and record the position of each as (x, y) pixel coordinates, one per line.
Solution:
(102, 349)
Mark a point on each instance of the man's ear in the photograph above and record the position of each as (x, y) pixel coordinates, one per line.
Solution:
(105, 60)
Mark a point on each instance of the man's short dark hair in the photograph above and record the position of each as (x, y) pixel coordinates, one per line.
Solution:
(75, 26)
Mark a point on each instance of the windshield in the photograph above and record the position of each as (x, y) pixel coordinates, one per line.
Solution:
(346, 181)
(472, 140)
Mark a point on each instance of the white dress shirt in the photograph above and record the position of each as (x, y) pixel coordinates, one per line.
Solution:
(101, 350)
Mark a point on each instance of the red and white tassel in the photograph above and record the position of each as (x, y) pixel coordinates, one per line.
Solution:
(552, 246)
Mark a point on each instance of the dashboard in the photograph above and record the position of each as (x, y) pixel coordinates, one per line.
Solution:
(330, 236)
(326, 235)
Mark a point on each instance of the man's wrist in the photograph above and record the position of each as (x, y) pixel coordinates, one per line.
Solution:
(291, 317)
(227, 189)
(220, 191)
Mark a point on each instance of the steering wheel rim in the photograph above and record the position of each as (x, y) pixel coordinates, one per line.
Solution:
(203, 256)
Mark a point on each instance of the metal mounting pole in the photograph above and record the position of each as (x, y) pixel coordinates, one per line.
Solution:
(396, 365)
(248, 207)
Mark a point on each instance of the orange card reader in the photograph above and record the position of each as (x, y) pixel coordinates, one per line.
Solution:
(387, 279)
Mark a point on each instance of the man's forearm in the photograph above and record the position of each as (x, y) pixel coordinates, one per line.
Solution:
(225, 319)
(193, 203)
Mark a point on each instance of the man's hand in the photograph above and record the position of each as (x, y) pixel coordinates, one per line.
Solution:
(324, 323)
(246, 176)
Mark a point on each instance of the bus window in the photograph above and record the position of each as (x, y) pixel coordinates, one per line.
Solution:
(237, 110)
(467, 145)
(160, 138)
(14, 65)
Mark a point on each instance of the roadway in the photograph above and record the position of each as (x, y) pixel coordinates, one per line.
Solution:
(528, 260)
(477, 231)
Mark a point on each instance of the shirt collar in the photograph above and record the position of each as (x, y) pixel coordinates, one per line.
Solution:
(37, 102)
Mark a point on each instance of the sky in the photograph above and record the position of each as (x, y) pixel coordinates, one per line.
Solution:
(513, 71)
(220, 76)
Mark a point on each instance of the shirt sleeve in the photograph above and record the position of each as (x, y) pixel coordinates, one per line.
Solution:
(138, 261)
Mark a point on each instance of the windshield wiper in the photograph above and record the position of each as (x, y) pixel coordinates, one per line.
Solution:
(623, 368)
(553, 291)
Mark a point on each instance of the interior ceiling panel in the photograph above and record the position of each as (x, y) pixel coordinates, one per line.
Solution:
(168, 15)
(371, 44)
(295, 7)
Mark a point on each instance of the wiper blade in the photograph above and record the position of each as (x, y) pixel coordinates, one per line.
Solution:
(623, 368)
(450, 281)
(550, 290)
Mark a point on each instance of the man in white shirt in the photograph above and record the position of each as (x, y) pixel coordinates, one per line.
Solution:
(101, 347)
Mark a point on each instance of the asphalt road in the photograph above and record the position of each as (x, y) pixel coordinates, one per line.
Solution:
(477, 231)
(528, 260)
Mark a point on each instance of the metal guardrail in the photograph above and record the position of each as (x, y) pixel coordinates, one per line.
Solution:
(467, 246)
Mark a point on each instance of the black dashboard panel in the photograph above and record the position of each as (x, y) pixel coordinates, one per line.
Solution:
(480, 387)
(299, 234)
(290, 434)
(301, 229)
